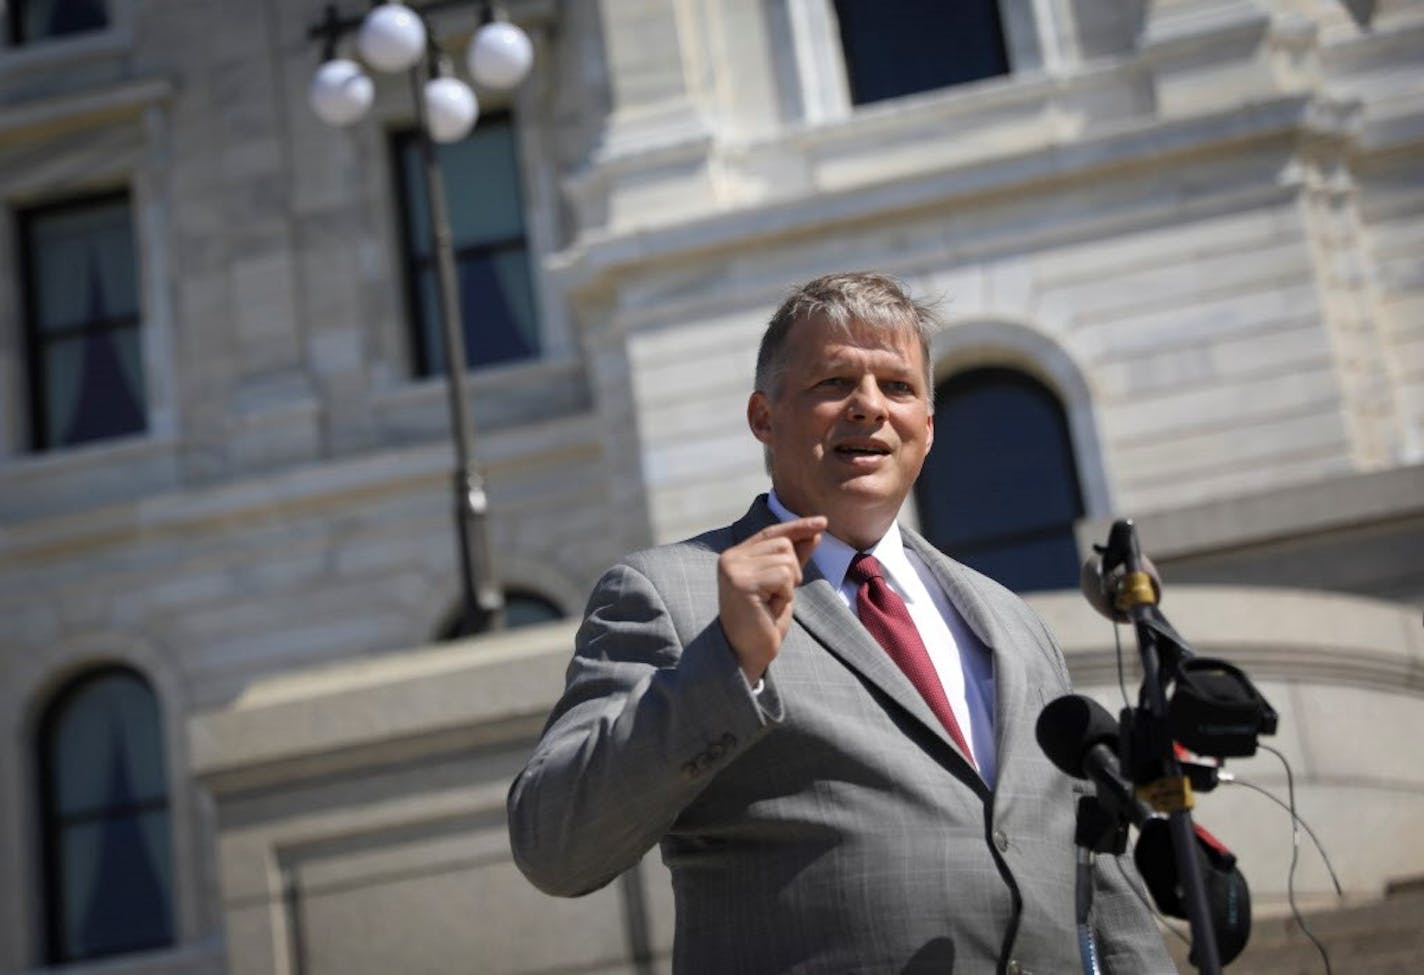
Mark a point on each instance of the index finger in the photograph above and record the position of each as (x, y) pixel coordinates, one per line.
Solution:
(803, 533)
(797, 529)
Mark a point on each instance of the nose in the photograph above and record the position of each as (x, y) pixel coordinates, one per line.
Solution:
(867, 402)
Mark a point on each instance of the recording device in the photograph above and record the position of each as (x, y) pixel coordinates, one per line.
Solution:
(1214, 708)
(1208, 706)
(1079, 736)
(1227, 896)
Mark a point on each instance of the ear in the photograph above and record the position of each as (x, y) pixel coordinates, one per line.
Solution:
(759, 417)
(929, 429)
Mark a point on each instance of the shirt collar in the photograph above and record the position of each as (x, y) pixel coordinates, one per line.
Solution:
(833, 556)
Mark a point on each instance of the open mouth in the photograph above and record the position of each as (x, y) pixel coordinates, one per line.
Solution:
(862, 450)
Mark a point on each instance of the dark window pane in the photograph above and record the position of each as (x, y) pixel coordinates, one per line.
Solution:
(898, 47)
(83, 328)
(497, 299)
(527, 609)
(1000, 489)
(108, 749)
(494, 280)
(482, 185)
(1028, 565)
(33, 20)
(84, 266)
(116, 885)
(481, 175)
(425, 305)
(521, 608)
(108, 862)
(94, 387)
(1013, 435)
(497, 296)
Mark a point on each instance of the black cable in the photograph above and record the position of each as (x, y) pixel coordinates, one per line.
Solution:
(1295, 858)
(1121, 681)
(1227, 778)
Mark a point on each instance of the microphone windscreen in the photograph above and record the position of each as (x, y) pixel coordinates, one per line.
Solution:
(1228, 898)
(1069, 726)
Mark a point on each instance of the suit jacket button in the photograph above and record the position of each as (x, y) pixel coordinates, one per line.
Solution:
(1001, 840)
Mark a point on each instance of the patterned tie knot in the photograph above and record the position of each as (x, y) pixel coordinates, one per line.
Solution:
(863, 568)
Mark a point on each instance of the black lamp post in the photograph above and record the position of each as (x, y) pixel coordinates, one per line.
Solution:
(394, 37)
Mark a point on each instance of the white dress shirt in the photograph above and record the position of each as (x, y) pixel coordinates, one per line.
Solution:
(963, 663)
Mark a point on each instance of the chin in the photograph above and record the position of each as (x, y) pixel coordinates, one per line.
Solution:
(870, 487)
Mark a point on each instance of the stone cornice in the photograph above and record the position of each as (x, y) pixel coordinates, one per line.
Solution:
(1279, 514)
(44, 118)
(314, 487)
(1274, 634)
(1052, 161)
(480, 692)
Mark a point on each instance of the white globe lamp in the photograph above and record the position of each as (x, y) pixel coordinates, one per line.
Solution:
(500, 55)
(340, 92)
(450, 109)
(392, 38)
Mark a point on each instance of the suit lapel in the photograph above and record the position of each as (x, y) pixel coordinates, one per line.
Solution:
(825, 617)
(1014, 697)
(822, 614)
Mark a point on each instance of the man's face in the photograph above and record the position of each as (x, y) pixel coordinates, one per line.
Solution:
(848, 426)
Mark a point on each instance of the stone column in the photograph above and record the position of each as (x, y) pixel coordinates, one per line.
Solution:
(648, 74)
(1208, 55)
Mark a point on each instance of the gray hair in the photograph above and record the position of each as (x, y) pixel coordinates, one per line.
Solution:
(842, 302)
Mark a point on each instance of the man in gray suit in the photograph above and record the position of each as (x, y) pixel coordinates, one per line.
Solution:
(835, 752)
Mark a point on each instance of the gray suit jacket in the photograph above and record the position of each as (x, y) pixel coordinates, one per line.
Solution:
(829, 824)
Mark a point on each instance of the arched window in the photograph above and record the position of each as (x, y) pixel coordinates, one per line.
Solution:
(999, 491)
(104, 792)
(521, 608)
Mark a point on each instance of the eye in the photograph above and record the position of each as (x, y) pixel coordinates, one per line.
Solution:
(835, 382)
(898, 387)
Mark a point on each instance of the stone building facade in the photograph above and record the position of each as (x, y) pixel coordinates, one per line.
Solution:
(1195, 223)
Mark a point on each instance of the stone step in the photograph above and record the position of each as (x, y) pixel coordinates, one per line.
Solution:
(1375, 938)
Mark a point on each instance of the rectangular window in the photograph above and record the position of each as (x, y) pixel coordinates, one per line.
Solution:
(35, 20)
(496, 287)
(898, 47)
(82, 325)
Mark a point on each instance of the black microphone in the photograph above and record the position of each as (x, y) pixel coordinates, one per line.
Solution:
(1228, 899)
(1080, 737)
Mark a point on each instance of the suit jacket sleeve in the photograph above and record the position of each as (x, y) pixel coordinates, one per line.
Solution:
(1129, 942)
(654, 704)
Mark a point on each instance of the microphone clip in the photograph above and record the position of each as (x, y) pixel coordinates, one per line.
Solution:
(1099, 828)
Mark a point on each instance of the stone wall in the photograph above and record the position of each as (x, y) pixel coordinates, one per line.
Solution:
(1198, 221)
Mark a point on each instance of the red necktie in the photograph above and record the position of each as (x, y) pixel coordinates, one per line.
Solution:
(888, 619)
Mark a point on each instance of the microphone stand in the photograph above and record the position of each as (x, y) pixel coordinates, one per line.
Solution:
(1153, 764)
(1101, 829)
